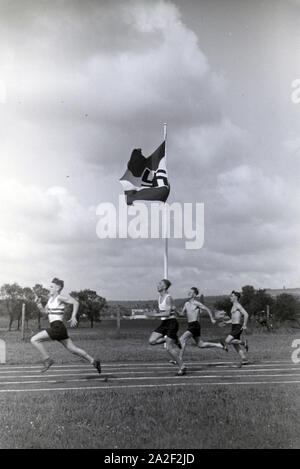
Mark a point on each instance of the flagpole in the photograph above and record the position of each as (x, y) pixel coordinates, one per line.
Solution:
(165, 216)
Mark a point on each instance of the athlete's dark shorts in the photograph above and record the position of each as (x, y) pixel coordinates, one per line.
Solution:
(57, 331)
(168, 327)
(195, 329)
(236, 330)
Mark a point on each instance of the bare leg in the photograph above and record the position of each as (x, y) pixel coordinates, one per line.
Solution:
(240, 351)
(156, 338)
(37, 340)
(230, 340)
(202, 344)
(71, 347)
(173, 350)
(183, 340)
(237, 342)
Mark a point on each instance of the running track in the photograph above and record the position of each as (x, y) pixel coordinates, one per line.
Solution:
(77, 377)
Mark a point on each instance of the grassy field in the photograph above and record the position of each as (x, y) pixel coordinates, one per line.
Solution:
(167, 418)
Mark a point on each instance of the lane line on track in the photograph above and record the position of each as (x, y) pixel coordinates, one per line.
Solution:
(193, 367)
(237, 371)
(217, 363)
(86, 368)
(147, 378)
(143, 386)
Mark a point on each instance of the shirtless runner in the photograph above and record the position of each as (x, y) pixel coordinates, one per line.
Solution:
(239, 319)
(192, 308)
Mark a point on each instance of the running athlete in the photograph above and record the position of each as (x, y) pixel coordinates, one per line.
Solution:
(192, 308)
(57, 330)
(166, 332)
(238, 313)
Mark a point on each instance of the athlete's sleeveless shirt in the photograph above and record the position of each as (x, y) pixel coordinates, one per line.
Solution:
(162, 306)
(55, 309)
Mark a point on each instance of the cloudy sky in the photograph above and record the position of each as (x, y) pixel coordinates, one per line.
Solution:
(83, 83)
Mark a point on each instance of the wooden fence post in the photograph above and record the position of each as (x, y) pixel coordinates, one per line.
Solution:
(2, 352)
(23, 322)
(118, 323)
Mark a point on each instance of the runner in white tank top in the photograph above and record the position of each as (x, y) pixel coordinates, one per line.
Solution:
(166, 332)
(57, 331)
(55, 309)
(163, 306)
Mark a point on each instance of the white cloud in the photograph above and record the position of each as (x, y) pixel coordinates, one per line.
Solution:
(40, 216)
(249, 194)
(88, 81)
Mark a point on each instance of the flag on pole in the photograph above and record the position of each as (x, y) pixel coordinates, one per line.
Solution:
(146, 178)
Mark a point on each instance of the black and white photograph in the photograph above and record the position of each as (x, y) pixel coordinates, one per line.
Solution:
(149, 227)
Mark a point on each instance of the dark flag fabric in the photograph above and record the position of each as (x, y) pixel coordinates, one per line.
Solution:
(146, 178)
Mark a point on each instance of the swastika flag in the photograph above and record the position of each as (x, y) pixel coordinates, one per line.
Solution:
(146, 178)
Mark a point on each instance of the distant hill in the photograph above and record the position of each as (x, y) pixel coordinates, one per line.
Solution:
(278, 291)
(143, 304)
(208, 300)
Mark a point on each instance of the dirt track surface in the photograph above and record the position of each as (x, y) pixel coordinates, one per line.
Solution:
(28, 378)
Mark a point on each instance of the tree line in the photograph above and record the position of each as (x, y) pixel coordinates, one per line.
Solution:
(13, 296)
(283, 307)
(92, 306)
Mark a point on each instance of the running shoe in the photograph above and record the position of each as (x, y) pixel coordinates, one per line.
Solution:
(173, 362)
(47, 363)
(181, 372)
(97, 365)
(225, 347)
(244, 362)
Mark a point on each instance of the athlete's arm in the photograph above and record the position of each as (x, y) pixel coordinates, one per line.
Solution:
(183, 311)
(228, 317)
(228, 321)
(71, 301)
(245, 316)
(205, 308)
(169, 304)
(40, 306)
